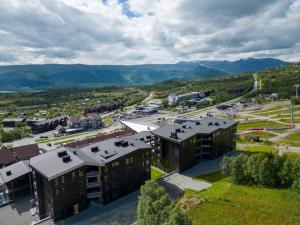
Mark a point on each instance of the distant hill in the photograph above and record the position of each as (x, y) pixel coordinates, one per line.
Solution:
(36, 77)
(280, 80)
(242, 65)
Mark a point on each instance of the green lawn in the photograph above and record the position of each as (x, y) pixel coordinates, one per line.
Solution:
(293, 139)
(259, 148)
(156, 173)
(229, 204)
(270, 113)
(262, 134)
(258, 124)
(211, 177)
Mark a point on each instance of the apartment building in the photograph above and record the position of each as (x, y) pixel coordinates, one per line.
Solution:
(179, 147)
(68, 180)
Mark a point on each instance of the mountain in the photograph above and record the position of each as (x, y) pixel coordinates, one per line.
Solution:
(243, 65)
(37, 77)
(57, 75)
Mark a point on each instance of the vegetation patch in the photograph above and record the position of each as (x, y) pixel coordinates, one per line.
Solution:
(226, 203)
(293, 139)
(258, 124)
(211, 177)
(259, 148)
(156, 173)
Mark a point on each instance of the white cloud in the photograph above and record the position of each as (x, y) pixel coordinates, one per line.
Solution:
(146, 31)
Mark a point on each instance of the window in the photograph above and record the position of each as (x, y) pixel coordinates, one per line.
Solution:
(62, 179)
(73, 175)
(63, 189)
(131, 159)
(57, 192)
(56, 181)
(80, 173)
(127, 161)
(115, 164)
(147, 162)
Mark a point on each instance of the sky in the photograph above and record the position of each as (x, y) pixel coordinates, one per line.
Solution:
(147, 31)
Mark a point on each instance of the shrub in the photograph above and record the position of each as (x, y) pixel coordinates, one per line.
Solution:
(296, 185)
(156, 208)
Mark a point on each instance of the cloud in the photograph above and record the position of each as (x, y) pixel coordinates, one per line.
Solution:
(146, 31)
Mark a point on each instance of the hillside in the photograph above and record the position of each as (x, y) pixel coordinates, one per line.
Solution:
(280, 80)
(36, 77)
(242, 65)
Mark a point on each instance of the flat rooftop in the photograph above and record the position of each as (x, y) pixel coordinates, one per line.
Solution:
(14, 171)
(189, 129)
(112, 149)
(51, 165)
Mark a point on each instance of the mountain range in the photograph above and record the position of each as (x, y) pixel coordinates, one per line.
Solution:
(38, 77)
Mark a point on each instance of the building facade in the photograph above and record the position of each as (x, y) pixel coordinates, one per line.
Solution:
(178, 148)
(95, 174)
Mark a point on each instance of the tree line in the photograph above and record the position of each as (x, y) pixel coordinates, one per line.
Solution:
(264, 170)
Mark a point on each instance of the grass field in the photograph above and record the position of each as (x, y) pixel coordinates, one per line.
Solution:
(271, 113)
(293, 139)
(155, 173)
(259, 148)
(262, 134)
(229, 204)
(258, 124)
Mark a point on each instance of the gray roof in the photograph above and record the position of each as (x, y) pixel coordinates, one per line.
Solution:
(207, 126)
(109, 151)
(43, 122)
(17, 170)
(52, 166)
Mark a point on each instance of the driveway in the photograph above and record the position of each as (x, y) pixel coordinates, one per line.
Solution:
(207, 166)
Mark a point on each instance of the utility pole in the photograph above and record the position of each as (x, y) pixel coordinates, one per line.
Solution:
(297, 87)
(292, 115)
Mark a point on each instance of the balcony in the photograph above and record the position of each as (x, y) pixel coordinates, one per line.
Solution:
(93, 184)
(95, 194)
(93, 174)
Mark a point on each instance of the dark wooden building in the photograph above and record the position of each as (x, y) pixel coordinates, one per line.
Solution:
(15, 180)
(177, 148)
(68, 180)
(47, 125)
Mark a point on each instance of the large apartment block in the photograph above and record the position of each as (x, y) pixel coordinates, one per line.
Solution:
(68, 180)
(179, 147)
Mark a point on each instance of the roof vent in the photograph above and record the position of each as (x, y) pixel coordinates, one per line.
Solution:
(224, 122)
(174, 135)
(8, 173)
(118, 143)
(66, 159)
(132, 144)
(75, 153)
(142, 139)
(124, 143)
(184, 126)
(210, 124)
(217, 123)
(197, 123)
(62, 154)
(95, 149)
(148, 137)
(177, 130)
